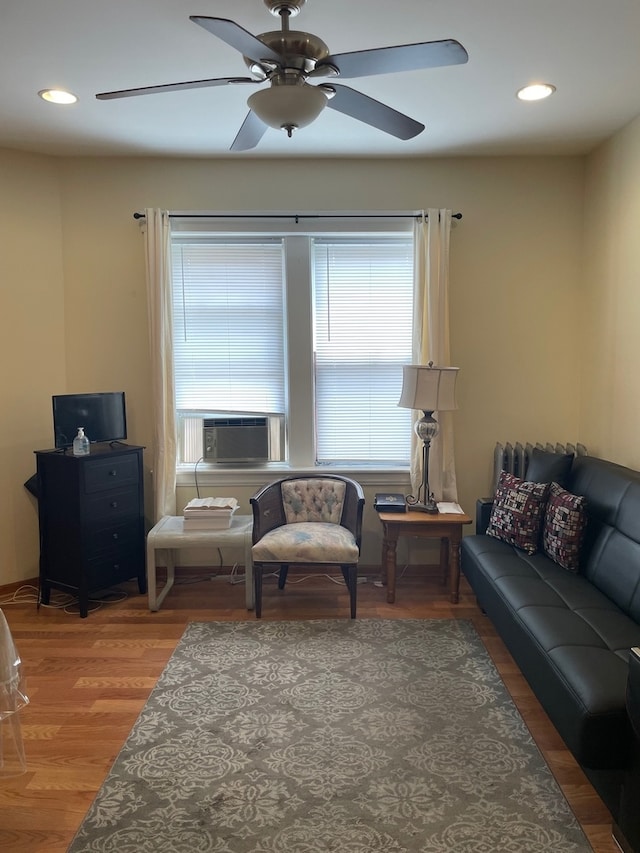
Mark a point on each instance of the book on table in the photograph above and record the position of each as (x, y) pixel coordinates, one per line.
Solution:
(206, 506)
(209, 513)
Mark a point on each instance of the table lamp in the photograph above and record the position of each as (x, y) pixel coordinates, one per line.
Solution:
(429, 389)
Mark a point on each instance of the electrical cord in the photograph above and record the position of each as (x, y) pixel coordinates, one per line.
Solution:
(197, 485)
(111, 596)
(195, 475)
(235, 576)
(191, 579)
(333, 578)
(26, 594)
(29, 594)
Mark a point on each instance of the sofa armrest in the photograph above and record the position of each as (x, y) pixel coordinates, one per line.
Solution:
(483, 513)
(633, 690)
(626, 828)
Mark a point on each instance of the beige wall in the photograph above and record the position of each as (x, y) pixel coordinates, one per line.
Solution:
(32, 344)
(515, 284)
(610, 400)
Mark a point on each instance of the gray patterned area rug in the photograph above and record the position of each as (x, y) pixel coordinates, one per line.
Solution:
(316, 736)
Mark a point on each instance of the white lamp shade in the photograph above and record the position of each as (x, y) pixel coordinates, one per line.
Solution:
(430, 389)
(288, 106)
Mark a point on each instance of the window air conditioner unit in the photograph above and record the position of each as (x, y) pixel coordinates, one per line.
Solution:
(236, 439)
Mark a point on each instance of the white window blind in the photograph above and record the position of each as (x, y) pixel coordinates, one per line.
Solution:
(228, 304)
(363, 303)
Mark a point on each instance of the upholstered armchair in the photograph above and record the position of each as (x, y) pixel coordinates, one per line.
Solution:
(312, 520)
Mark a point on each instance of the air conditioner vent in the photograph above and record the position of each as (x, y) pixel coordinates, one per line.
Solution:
(236, 439)
(234, 422)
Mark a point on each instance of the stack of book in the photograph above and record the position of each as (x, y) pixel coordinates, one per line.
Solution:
(209, 513)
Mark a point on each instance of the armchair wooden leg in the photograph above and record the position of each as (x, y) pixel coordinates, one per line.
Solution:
(350, 574)
(257, 582)
(282, 577)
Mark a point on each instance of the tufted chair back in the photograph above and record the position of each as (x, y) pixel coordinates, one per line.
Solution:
(313, 499)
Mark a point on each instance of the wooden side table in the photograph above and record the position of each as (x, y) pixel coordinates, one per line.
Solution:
(445, 527)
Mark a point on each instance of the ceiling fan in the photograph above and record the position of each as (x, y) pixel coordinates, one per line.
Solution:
(288, 59)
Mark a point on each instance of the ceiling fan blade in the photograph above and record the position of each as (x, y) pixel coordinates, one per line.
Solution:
(387, 60)
(366, 109)
(174, 87)
(251, 132)
(239, 38)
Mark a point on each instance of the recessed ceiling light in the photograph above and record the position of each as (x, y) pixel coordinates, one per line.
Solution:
(536, 92)
(58, 96)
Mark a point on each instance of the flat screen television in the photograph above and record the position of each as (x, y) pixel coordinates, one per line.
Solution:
(103, 416)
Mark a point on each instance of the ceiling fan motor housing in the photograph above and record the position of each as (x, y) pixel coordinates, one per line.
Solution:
(278, 7)
(299, 50)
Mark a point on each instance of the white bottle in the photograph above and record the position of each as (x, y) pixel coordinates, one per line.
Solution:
(81, 443)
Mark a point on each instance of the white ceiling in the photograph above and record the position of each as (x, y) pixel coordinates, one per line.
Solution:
(589, 49)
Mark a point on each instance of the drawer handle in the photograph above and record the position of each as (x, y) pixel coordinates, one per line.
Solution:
(113, 472)
(116, 566)
(115, 535)
(114, 504)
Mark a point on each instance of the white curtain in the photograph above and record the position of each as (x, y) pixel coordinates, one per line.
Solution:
(431, 342)
(157, 233)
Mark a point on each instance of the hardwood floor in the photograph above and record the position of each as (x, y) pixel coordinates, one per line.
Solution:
(88, 679)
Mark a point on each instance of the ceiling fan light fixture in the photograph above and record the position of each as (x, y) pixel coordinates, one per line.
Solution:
(535, 92)
(288, 107)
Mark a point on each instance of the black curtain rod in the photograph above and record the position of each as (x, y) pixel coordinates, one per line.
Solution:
(295, 216)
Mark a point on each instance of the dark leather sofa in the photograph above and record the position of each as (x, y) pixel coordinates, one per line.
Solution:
(571, 633)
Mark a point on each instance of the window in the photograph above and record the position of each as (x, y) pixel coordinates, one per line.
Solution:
(309, 330)
(228, 309)
(362, 325)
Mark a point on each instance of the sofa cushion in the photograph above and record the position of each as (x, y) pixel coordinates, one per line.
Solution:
(547, 467)
(565, 520)
(518, 512)
(611, 553)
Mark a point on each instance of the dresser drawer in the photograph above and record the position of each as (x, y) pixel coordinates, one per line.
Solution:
(103, 474)
(113, 540)
(103, 572)
(106, 507)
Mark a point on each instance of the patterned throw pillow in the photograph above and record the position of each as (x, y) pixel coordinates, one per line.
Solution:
(565, 521)
(518, 512)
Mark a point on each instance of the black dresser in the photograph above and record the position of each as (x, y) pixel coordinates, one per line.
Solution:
(91, 515)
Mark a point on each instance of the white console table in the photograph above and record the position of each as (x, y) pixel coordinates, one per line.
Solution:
(170, 536)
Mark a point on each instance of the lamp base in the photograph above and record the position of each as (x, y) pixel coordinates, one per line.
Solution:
(430, 507)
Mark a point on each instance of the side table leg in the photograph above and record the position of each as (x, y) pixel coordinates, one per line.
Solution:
(454, 569)
(383, 561)
(171, 574)
(151, 573)
(390, 565)
(444, 558)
